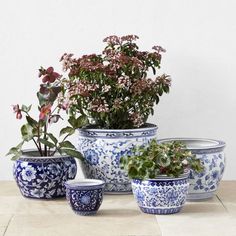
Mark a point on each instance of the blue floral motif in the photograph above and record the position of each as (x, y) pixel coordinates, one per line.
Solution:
(44, 177)
(204, 184)
(161, 196)
(103, 150)
(72, 171)
(85, 199)
(28, 173)
(53, 169)
(91, 156)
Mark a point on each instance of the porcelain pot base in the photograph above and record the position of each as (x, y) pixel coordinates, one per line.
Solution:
(160, 211)
(200, 196)
(86, 213)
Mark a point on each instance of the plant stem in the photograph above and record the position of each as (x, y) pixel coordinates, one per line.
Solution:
(40, 151)
(45, 137)
(40, 147)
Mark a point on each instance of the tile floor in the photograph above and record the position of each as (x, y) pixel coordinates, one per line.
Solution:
(118, 216)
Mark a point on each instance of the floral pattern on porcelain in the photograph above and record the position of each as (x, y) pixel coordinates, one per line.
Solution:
(161, 196)
(204, 184)
(103, 149)
(44, 177)
(85, 200)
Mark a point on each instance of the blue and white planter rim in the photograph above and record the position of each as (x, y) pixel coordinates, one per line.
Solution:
(84, 184)
(211, 145)
(149, 130)
(163, 178)
(33, 154)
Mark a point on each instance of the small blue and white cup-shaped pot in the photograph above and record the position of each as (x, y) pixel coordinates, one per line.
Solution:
(85, 196)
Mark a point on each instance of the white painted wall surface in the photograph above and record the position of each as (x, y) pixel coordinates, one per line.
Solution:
(200, 38)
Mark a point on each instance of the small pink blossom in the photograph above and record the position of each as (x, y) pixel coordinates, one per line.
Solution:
(45, 111)
(124, 81)
(106, 88)
(67, 61)
(137, 119)
(49, 75)
(17, 110)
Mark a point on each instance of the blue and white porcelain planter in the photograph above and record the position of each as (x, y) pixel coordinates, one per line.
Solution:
(43, 177)
(85, 195)
(102, 150)
(211, 153)
(163, 195)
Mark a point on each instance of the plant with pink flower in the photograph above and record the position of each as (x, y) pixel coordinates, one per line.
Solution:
(37, 129)
(114, 89)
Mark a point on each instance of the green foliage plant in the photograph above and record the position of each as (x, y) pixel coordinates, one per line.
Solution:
(170, 159)
(37, 129)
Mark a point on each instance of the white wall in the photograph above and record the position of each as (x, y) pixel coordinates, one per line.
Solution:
(200, 38)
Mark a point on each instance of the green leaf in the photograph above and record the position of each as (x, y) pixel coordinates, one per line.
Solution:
(47, 143)
(25, 108)
(31, 121)
(67, 144)
(14, 158)
(52, 137)
(13, 150)
(67, 130)
(16, 151)
(73, 153)
(27, 132)
(81, 121)
(42, 99)
(72, 121)
(166, 89)
(153, 70)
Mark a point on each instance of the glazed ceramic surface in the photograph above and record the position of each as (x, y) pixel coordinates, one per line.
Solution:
(103, 149)
(43, 177)
(204, 185)
(163, 195)
(85, 196)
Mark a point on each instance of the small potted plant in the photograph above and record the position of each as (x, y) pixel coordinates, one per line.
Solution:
(42, 171)
(159, 174)
(117, 91)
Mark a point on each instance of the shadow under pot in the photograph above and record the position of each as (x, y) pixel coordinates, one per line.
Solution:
(163, 195)
(211, 153)
(43, 177)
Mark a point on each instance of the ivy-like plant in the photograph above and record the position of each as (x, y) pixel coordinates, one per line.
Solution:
(37, 130)
(170, 159)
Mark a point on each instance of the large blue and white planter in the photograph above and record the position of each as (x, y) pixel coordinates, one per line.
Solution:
(211, 153)
(102, 150)
(163, 195)
(43, 177)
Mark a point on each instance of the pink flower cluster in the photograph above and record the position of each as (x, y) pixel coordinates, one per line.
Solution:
(113, 87)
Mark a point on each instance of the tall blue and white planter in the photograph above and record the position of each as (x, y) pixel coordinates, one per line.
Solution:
(102, 150)
(211, 153)
(43, 177)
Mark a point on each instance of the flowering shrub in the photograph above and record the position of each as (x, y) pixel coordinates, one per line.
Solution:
(37, 130)
(113, 88)
(171, 159)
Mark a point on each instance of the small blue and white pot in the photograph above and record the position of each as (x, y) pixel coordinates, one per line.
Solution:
(43, 177)
(85, 195)
(211, 153)
(163, 195)
(102, 150)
